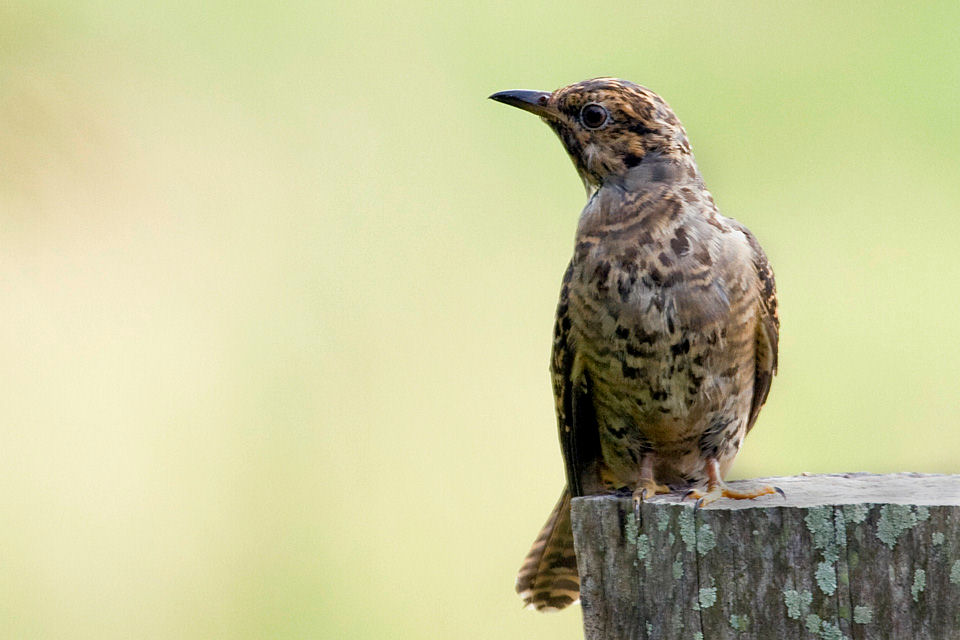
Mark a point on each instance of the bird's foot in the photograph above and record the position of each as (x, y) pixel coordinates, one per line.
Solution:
(718, 490)
(645, 490)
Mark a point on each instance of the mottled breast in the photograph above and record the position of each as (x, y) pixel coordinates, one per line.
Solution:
(663, 314)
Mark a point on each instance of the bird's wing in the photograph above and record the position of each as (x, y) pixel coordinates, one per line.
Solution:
(576, 419)
(768, 329)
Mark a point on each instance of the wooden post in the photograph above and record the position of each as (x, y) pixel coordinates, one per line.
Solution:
(852, 556)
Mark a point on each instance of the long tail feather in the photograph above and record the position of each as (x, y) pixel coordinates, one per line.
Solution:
(548, 579)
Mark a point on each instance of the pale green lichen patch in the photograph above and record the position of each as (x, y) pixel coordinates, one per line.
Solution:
(922, 513)
(937, 538)
(687, 531)
(955, 573)
(740, 622)
(706, 539)
(677, 567)
(663, 520)
(919, 583)
(830, 631)
(649, 629)
(826, 578)
(841, 531)
(894, 520)
(643, 549)
(697, 636)
(855, 513)
(819, 522)
(798, 602)
(631, 528)
(862, 614)
(708, 596)
(671, 538)
(824, 630)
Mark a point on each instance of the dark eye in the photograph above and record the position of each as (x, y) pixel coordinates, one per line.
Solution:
(593, 116)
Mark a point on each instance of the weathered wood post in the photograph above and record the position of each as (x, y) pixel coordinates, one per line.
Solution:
(851, 556)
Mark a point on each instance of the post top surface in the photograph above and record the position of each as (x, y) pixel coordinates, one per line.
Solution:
(835, 488)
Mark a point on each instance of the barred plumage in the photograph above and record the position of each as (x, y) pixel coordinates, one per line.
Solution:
(666, 336)
(548, 578)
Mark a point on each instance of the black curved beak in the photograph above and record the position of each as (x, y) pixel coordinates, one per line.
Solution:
(533, 101)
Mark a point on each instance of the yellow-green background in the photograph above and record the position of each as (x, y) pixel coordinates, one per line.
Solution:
(277, 285)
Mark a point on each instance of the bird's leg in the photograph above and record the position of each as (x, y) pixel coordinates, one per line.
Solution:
(647, 487)
(717, 489)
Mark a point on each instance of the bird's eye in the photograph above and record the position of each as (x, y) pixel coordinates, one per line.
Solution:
(593, 116)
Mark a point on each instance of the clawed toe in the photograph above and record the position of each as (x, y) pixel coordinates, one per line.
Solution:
(645, 491)
(765, 490)
(720, 490)
(704, 498)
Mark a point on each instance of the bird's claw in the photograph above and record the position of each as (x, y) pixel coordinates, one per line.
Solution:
(720, 490)
(646, 490)
(704, 498)
(639, 496)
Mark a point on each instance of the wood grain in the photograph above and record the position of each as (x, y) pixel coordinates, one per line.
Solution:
(845, 556)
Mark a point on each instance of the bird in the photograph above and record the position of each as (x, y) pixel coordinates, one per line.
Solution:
(666, 336)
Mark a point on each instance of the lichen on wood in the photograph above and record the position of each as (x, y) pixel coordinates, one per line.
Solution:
(845, 557)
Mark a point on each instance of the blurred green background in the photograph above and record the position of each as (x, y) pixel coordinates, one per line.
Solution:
(278, 285)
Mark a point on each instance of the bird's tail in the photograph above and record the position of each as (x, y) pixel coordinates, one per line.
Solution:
(548, 579)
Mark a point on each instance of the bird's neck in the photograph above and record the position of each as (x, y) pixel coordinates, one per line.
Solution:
(656, 170)
(651, 180)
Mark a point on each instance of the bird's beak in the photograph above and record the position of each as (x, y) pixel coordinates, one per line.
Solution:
(537, 102)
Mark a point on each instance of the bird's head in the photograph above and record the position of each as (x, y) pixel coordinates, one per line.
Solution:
(608, 126)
